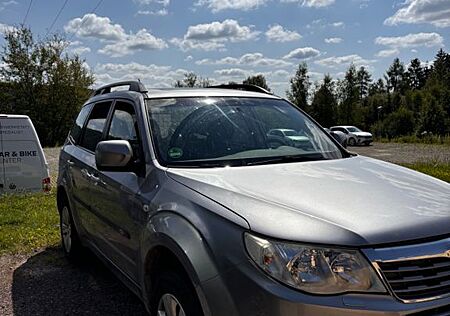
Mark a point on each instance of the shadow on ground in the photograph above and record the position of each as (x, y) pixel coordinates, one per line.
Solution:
(47, 284)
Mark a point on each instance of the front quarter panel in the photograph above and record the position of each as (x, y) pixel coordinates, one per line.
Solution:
(191, 227)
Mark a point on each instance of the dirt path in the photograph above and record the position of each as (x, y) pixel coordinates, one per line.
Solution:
(45, 283)
(405, 153)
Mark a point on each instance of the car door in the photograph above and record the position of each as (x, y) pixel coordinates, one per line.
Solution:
(81, 164)
(117, 201)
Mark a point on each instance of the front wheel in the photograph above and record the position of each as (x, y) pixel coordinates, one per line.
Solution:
(175, 296)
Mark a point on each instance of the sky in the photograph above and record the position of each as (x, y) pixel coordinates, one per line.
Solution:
(157, 41)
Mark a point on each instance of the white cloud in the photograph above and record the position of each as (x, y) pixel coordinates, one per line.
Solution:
(388, 53)
(80, 50)
(161, 12)
(214, 35)
(411, 40)
(219, 5)
(189, 58)
(141, 41)
(435, 12)
(338, 24)
(232, 72)
(334, 61)
(302, 53)
(93, 26)
(252, 59)
(312, 3)
(333, 40)
(164, 3)
(4, 28)
(151, 75)
(276, 33)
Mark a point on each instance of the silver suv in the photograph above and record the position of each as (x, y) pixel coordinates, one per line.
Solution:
(185, 197)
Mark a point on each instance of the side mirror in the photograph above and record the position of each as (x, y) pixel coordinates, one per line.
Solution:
(113, 155)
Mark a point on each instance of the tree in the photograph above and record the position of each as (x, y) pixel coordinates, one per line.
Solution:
(416, 75)
(299, 87)
(324, 104)
(191, 80)
(44, 83)
(363, 82)
(258, 80)
(349, 92)
(395, 76)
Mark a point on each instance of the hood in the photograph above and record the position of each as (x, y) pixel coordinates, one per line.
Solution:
(354, 201)
(361, 133)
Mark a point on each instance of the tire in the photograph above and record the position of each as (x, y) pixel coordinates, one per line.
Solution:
(70, 241)
(352, 142)
(173, 289)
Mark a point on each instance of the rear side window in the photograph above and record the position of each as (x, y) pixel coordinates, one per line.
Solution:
(75, 133)
(95, 124)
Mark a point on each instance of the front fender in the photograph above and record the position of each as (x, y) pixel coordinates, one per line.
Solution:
(177, 234)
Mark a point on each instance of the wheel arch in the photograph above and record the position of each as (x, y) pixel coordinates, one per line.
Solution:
(172, 241)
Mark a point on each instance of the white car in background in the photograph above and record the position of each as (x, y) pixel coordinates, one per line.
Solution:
(288, 137)
(23, 167)
(355, 136)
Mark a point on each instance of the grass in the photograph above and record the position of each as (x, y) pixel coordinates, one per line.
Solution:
(413, 139)
(440, 171)
(28, 222)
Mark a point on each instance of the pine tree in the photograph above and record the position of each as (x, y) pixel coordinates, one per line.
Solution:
(324, 104)
(299, 87)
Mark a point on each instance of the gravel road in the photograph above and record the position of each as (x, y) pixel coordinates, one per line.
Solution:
(45, 283)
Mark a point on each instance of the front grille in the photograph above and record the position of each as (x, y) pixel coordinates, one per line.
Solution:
(418, 279)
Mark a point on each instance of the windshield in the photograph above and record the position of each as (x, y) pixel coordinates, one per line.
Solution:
(353, 129)
(233, 131)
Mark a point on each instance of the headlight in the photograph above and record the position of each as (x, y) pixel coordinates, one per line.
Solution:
(314, 269)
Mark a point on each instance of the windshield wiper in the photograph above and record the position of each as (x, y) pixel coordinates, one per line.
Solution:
(284, 159)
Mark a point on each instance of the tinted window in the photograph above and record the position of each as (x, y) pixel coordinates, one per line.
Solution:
(233, 131)
(95, 124)
(75, 133)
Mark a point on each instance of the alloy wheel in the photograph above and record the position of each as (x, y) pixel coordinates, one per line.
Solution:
(169, 306)
(66, 229)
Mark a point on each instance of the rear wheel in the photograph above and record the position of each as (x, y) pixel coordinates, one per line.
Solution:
(70, 240)
(175, 296)
(351, 142)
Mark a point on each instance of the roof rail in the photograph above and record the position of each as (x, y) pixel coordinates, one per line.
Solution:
(241, 86)
(136, 86)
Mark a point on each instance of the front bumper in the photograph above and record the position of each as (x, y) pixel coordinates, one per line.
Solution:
(249, 291)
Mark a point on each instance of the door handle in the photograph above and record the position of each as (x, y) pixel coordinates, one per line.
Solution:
(70, 162)
(86, 174)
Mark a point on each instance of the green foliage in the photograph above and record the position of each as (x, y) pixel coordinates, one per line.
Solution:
(324, 104)
(398, 123)
(258, 80)
(28, 222)
(191, 80)
(42, 82)
(299, 87)
(440, 171)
